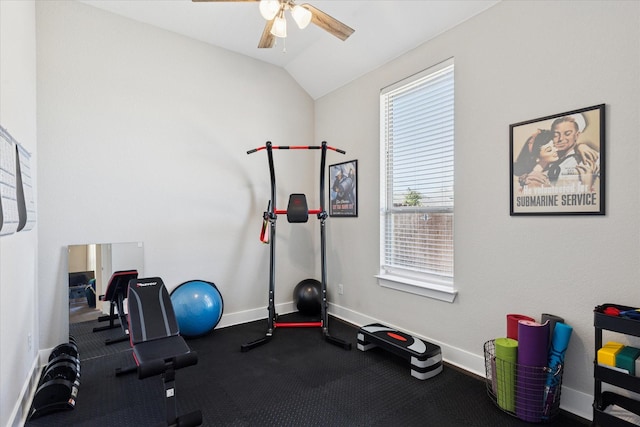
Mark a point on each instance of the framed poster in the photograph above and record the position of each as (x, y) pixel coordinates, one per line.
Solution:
(557, 164)
(343, 189)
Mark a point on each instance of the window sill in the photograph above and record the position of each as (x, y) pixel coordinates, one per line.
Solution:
(417, 287)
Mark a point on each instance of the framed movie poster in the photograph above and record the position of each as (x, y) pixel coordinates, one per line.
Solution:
(343, 189)
(557, 164)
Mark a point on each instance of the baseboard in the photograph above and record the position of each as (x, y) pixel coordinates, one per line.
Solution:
(21, 409)
(573, 401)
(246, 316)
(577, 403)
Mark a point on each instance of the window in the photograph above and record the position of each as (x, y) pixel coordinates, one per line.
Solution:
(416, 222)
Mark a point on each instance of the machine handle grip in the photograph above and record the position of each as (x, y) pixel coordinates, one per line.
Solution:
(159, 366)
(296, 147)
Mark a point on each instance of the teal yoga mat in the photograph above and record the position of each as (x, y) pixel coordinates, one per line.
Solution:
(559, 344)
(506, 358)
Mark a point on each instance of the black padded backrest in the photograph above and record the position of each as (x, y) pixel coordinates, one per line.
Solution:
(118, 284)
(151, 314)
(297, 210)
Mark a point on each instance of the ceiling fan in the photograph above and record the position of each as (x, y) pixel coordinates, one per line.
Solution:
(276, 26)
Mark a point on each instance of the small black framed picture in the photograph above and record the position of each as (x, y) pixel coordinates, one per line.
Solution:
(557, 164)
(343, 189)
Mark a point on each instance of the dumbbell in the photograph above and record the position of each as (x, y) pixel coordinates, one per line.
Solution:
(70, 349)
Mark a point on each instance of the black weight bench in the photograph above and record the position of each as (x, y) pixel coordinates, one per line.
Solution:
(116, 294)
(158, 348)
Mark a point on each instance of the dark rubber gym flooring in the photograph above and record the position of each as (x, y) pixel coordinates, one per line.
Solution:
(297, 379)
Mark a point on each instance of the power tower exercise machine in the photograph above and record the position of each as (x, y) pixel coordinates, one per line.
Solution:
(297, 212)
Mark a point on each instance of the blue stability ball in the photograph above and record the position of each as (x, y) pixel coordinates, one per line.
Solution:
(198, 306)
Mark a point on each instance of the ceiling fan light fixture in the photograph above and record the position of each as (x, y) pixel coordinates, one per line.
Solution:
(301, 15)
(269, 9)
(276, 26)
(279, 28)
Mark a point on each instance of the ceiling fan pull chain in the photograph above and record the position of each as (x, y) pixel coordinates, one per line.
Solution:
(284, 45)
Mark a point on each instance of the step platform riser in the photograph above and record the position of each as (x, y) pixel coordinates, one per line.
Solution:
(425, 357)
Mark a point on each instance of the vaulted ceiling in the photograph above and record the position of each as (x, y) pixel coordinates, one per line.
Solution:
(318, 61)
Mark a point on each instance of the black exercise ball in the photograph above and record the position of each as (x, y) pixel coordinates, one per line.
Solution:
(307, 296)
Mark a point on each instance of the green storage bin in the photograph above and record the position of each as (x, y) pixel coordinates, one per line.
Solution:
(626, 359)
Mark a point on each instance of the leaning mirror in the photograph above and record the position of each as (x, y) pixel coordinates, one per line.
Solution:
(90, 268)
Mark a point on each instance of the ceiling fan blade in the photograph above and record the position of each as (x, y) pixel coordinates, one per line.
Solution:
(328, 23)
(267, 40)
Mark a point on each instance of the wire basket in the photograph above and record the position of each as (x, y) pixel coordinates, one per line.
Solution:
(531, 393)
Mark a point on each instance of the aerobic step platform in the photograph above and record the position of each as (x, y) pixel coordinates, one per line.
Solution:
(425, 358)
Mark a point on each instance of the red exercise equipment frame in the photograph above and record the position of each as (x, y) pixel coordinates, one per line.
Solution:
(271, 216)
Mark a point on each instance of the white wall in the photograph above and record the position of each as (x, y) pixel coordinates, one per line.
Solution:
(18, 295)
(516, 61)
(143, 136)
(155, 126)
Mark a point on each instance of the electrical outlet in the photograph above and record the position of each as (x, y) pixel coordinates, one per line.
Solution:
(340, 289)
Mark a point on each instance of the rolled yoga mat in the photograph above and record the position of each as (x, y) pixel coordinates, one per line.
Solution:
(559, 344)
(506, 358)
(512, 324)
(533, 341)
(553, 319)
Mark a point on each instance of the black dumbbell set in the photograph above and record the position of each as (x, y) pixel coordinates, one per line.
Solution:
(58, 386)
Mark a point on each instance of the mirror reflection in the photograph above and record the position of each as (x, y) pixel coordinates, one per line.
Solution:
(90, 268)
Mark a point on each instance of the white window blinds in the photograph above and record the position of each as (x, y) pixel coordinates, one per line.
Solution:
(417, 127)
